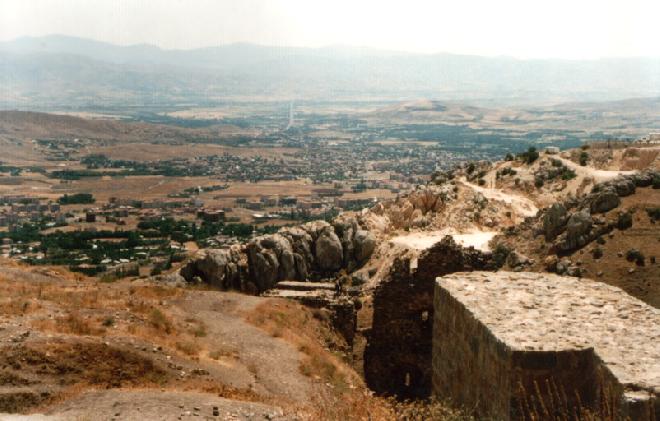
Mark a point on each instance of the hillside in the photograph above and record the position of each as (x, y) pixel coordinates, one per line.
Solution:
(168, 351)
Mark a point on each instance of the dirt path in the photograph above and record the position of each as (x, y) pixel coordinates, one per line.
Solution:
(249, 357)
(520, 204)
(149, 404)
(597, 175)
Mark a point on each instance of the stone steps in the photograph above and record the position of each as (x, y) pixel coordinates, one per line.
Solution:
(305, 286)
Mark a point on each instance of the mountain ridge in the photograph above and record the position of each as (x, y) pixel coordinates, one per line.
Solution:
(30, 73)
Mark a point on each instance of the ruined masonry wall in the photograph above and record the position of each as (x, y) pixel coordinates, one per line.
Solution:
(469, 364)
(511, 345)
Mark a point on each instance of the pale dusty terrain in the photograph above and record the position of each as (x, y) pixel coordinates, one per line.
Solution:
(425, 239)
(519, 203)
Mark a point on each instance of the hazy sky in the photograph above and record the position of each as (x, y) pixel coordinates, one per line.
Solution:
(520, 28)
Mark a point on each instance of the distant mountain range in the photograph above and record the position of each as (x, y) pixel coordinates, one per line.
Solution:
(57, 70)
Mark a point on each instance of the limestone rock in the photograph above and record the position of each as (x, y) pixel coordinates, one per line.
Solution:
(328, 251)
(577, 233)
(217, 267)
(264, 267)
(554, 220)
(624, 187)
(364, 244)
(604, 200)
(516, 260)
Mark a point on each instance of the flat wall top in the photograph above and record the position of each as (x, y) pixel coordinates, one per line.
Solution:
(546, 312)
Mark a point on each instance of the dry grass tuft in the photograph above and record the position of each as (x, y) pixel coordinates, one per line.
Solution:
(188, 347)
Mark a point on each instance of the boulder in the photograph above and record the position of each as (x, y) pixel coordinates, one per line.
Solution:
(172, 279)
(579, 223)
(364, 244)
(624, 186)
(314, 228)
(345, 229)
(301, 243)
(550, 263)
(515, 259)
(264, 268)
(328, 251)
(604, 200)
(562, 265)
(643, 179)
(217, 267)
(578, 232)
(554, 220)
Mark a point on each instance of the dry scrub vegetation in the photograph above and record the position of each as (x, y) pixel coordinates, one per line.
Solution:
(68, 334)
(343, 394)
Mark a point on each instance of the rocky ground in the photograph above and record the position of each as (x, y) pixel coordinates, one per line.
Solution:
(611, 235)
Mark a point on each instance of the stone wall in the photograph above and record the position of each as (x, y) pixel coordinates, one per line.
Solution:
(469, 364)
(397, 359)
(537, 346)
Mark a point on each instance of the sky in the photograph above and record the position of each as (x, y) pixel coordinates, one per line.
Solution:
(571, 29)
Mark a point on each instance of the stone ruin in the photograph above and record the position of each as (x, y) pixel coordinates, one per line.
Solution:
(536, 346)
(397, 358)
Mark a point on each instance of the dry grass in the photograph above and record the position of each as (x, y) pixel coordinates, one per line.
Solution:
(296, 324)
(342, 395)
(188, 347)
(159, 321)
(552, 402)
(228, 352)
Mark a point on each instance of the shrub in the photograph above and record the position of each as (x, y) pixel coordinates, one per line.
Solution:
(653, 213)
(530, 156)
(656, 181)
(188, 348)
(597, 253)
(500, 254)
(159, 321)
(538, 182)
(199, 331)
(584, 157)
(634, 255)
(78, 198)
(624, 221)
(568, 174)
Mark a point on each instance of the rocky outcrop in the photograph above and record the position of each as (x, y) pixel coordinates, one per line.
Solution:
(328, 251)
(570, 230)
(364, 244)
(306, 252)
(417, 208)
(577, 229)
(224, 268)
(604, 200)
(624, 186)
(554, 220)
